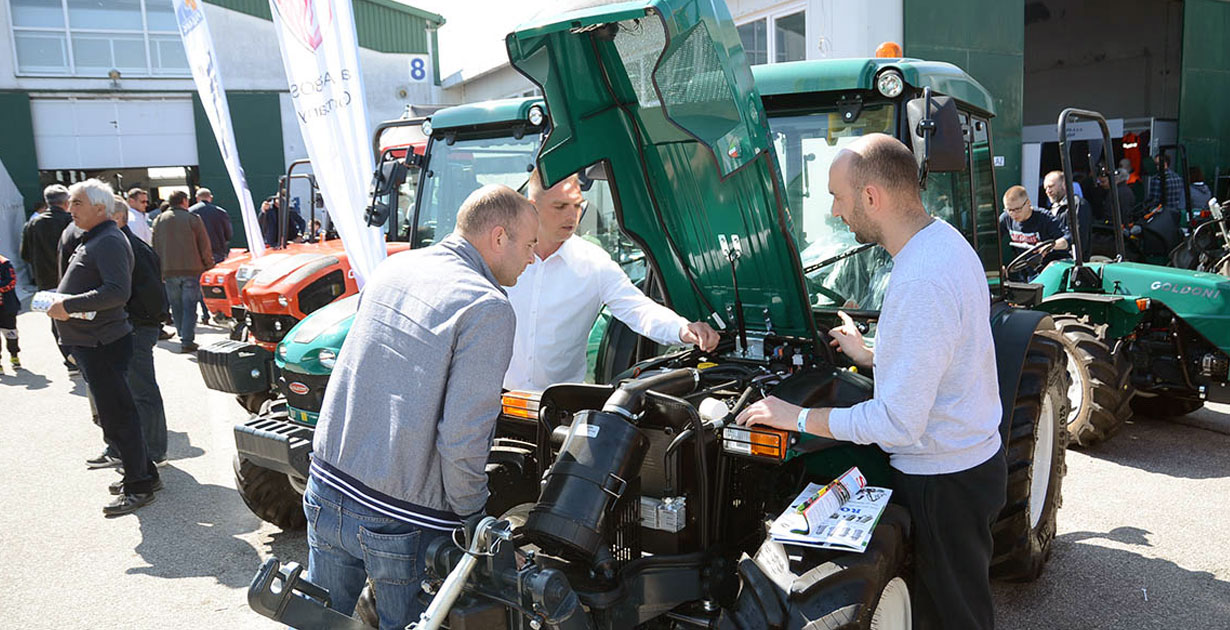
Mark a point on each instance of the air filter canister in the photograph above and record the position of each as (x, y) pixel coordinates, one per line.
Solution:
(601, 454)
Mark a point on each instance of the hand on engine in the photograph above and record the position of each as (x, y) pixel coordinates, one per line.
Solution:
(699, 334)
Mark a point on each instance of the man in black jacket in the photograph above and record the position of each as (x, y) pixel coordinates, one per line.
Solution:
(96, 285)
(40, 239)
(218, 226)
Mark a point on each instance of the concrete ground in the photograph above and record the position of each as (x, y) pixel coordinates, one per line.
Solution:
(1141, 543)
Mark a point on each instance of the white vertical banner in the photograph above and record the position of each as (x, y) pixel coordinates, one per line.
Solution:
(205, 73)
(321, 54)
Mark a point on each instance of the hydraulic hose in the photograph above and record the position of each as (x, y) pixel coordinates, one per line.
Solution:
(627, 400)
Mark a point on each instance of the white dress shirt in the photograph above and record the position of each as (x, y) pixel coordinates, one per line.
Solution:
(557, 301)
(140, 226)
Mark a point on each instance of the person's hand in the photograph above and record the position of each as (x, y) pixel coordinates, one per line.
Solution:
(771, 412)
(699, 334)
(848, 340)
(56, 311)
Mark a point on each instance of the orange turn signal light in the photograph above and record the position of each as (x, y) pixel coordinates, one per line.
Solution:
(889, 50)
(1142, 304)
(755, 441)
(521, 404)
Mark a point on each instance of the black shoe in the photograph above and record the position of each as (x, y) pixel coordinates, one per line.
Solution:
(117, 487)
(187, 348)
(205, 320)
(128, 503)
(163, 335)
(102, 461)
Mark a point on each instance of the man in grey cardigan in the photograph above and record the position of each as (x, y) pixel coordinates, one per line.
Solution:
(98, 279)
(406, 426)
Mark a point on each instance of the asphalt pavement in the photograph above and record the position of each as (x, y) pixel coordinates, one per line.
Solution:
(1142, 540)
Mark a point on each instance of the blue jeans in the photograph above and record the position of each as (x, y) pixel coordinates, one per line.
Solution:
(184, 293)
(105, 369)
(145, 394)
(348, 543)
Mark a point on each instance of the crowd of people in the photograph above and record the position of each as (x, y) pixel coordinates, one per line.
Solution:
(117, 271)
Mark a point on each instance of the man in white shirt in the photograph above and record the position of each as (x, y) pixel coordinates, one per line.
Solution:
(558, 297)
(138, 201)
(936, 409)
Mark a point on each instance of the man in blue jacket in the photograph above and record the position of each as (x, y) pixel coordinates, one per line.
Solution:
(405, 430)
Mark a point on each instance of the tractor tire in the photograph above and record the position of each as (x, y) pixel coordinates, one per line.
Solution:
(1163, 406)
(1034, 450)
(828, 589)
(1101, 390)
(270, 495)
(255, 401)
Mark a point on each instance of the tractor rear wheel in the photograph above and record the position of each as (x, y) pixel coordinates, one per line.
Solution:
(818, 588)
(1163, 406)
(1101, 389)
(1034, 450)
(269, 494)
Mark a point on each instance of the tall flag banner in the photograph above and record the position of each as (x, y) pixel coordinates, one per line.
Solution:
(204, 63)
(321, 54)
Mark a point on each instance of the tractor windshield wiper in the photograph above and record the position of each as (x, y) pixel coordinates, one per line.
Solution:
(839, 257)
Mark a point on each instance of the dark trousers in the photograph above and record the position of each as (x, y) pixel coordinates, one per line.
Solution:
(105, 369)
(64, 350)
(952, 516)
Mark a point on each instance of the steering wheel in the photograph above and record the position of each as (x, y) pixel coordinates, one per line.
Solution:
(1032, 259)
(818, 287)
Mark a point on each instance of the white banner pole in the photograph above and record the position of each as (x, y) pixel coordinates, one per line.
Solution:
(199, 47)
(320, 52)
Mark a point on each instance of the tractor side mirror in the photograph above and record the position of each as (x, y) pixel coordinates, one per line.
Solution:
(935, 132)
(386, 182)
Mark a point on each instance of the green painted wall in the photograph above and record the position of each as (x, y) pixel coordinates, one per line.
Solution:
(1204, 118)
(257, 120)
(986, 38)
(17, 145)
(382, 25)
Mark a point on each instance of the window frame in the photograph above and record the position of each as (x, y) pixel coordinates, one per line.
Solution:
(770, 17)
(66, 33)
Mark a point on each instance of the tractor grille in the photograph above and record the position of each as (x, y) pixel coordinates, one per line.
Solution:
(270, 328)
(312, 399)
(214, 292)
(623, 534)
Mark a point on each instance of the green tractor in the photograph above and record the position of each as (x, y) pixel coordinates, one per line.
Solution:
(721, 185)
(1139, 337)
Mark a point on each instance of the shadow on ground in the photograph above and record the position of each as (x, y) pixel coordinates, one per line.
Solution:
(25, 378)
(1092, 582)
(1150, 444)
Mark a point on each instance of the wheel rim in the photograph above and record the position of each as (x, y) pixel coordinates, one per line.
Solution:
(297, 483)
(1044, 443)
(1076, 387)
(893, 610)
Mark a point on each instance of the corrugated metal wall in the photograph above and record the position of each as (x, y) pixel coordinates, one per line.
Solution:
(986, 38)
(381, 25)
(1204, 100)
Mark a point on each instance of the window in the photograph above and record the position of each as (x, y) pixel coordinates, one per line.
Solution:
(775, 38)
(89, 38)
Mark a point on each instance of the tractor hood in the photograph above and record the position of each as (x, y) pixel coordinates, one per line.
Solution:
(660, 93)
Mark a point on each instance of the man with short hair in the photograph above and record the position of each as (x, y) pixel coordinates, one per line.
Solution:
(218, 225)
(40, 239)
(1024, 227)
(138, 220)
(936, 407)
(183, 247)
(1166, 188)
(561, 293)
(405, 430)
(1057, 193)
(98, 279)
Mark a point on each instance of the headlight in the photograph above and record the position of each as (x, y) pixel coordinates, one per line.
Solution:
(327, 358)
(890, 83)
(283, 302)
(282, 351)
(427, 127)
(536, 116)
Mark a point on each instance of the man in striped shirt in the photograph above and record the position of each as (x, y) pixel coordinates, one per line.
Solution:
(401, 448)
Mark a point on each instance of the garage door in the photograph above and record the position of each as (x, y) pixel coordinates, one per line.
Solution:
(81, 133)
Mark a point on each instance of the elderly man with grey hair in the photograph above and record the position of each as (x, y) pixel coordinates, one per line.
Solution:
(98, 279)
(40, 239)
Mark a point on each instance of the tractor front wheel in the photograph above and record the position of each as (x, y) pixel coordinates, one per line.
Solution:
(269, 494)
(1034, 449)
(1101, 388)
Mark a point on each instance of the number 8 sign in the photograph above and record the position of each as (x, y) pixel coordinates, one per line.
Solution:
(420, 68)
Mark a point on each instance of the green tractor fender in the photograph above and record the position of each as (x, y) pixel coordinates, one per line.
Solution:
(1012, 330)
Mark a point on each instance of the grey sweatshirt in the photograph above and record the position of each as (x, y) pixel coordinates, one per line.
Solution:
(409, 415)
(936, 408)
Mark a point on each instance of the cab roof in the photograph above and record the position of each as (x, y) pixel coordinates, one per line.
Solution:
(484, 113)
(827, 75)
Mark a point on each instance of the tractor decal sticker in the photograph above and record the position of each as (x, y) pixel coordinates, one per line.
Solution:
(1184, 289)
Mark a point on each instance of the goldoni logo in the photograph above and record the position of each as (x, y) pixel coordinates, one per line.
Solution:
(302, 20)
(188, 14)
(1184, 289)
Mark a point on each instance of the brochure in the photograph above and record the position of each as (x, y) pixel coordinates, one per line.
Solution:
(841, 515)
(44, 299)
